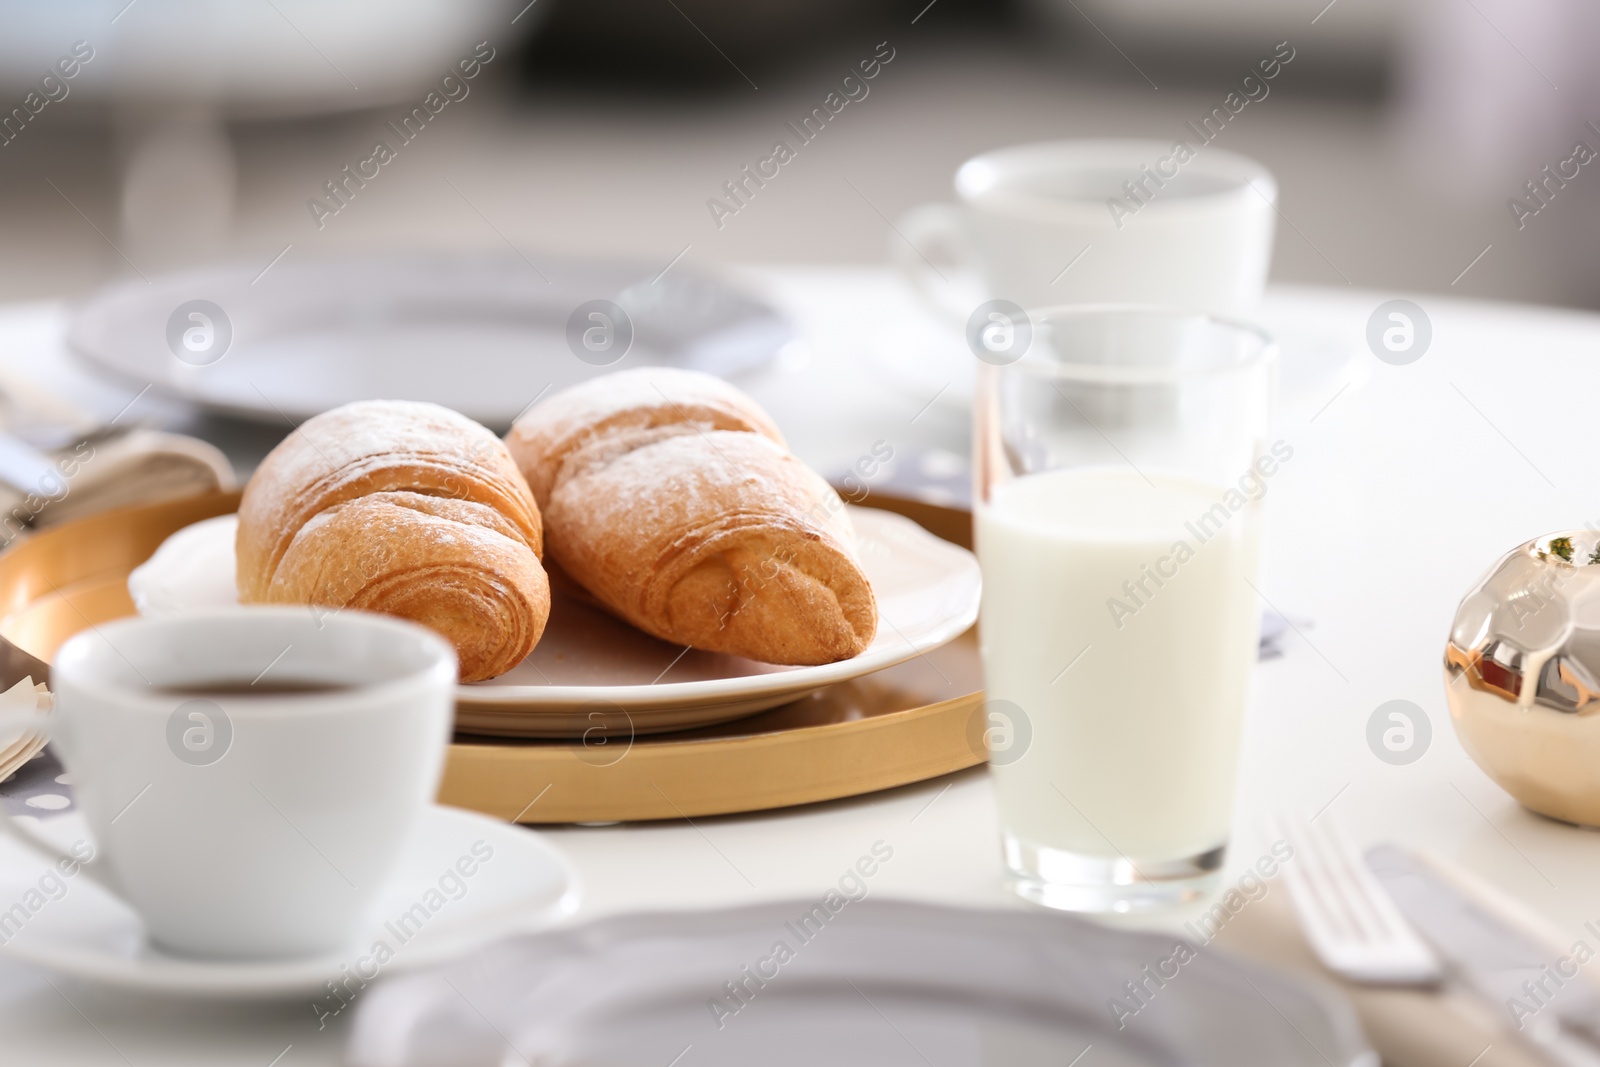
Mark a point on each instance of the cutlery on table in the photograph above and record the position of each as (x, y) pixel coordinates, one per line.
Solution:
(1394, 920)
(1350, 922)
(1508, 968)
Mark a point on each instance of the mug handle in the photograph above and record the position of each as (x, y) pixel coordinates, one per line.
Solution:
(37, 843)
(935, 227)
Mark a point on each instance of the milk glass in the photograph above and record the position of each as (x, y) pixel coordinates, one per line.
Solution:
(1122, 457)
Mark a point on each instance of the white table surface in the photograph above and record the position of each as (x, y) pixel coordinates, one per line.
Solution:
(1400, 493)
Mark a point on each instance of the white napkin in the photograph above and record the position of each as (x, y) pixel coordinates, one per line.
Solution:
(18, 748)
(137, 467)
(93, 466)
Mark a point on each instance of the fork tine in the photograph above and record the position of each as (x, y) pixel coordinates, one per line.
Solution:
(1384, 917)
(1348, 918)
(1314, 886)
(1352, 895)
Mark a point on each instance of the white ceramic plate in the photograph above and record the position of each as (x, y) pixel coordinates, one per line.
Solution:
(863, 984)
(86, 933)
(592, 670)
(482, 334)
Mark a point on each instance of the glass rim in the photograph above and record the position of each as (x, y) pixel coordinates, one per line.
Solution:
(1265, 354)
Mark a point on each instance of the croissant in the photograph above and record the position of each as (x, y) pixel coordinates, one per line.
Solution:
(671, 498)
(407, 509)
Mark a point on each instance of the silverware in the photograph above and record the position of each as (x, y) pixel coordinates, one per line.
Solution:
(1558, 1012)
(1349, 921)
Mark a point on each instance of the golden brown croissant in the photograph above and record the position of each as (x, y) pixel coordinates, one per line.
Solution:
(407, 509)
(669, 495)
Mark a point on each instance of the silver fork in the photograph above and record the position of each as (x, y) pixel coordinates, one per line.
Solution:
(1351, 923)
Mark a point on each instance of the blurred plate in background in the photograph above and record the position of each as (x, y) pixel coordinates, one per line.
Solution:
(894, 984)
(483, 334)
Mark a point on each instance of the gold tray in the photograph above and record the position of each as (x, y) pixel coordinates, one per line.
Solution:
(905, 724)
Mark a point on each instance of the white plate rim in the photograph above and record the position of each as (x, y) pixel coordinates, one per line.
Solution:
(801, 679)
(910, 919)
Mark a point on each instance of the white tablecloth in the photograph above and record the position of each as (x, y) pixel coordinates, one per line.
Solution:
(1401, 492)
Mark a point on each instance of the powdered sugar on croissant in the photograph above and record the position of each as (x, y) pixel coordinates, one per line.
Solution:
(670, 496)
(404, 508)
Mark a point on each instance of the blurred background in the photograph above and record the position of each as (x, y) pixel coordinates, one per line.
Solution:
(198, 131)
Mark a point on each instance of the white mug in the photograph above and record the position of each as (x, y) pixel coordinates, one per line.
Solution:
(1174, 224)
(249, 775)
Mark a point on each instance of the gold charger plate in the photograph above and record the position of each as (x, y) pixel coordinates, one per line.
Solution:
(904, 724)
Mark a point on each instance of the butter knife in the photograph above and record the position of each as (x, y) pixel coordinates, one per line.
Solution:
(1539, 992)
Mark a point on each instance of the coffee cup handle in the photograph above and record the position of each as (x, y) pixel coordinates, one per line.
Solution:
(932, 228)
(23, 721)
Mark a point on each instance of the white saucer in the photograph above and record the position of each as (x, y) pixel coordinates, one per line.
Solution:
(591, 664)
(524, 885)
(483, 334)
(922, 357)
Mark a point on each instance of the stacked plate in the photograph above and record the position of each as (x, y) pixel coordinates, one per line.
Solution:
(488, 335)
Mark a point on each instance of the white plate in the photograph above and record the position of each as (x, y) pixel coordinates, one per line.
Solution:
(483, 334)
(866, 984)
(526, 884)
(592, 670)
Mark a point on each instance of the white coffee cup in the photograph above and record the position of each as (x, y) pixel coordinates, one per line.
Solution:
(238, 821)
(1180, 225)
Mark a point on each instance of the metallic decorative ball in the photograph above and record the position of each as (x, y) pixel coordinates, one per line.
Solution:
(1522, 675)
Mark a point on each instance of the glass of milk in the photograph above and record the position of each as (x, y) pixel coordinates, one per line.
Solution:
(1121, 458)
